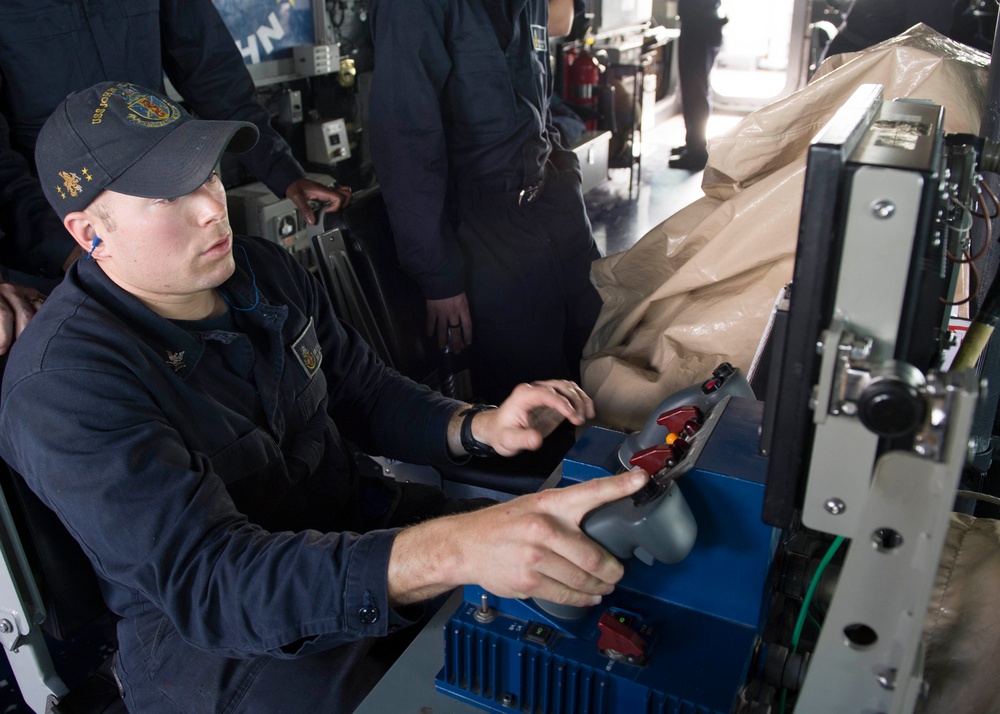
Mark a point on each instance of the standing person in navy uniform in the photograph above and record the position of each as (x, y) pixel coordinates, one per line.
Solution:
(697, 48)
(486, 206)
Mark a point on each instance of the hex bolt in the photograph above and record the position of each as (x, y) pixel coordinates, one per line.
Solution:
(887, 679)
(883, 209)
(835, 506)
(6, 627)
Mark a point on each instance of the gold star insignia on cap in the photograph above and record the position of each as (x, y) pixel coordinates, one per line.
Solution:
(86, 174)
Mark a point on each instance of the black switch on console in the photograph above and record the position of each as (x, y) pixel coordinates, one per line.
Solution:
(538, 633)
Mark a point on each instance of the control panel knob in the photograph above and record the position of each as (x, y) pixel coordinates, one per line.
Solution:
(891, 405)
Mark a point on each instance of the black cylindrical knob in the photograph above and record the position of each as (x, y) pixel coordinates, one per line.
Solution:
(891, 407)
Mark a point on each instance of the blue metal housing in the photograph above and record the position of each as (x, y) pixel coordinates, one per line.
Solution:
(699, 618)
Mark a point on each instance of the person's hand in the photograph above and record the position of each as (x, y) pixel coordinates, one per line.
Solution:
(531, 546)
(18, 304)
(304, 190)
(530, 414)
(450, 312)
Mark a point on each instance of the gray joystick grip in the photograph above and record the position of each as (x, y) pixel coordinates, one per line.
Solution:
(661, 529)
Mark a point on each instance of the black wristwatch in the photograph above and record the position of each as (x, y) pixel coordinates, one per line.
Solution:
(472, 445)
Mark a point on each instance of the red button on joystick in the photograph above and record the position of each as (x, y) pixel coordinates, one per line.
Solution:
(654, 458)
(676, 420)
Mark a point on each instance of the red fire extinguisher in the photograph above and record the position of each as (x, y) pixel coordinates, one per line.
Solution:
(582, 75)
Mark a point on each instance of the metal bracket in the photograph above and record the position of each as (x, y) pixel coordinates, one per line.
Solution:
(869, 656)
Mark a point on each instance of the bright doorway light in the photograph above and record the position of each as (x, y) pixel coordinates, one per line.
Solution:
(763, 53)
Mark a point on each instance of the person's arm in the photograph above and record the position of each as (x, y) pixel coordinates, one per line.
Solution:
(531, 412)
(156, 520)
(409, 152)
(35, 241)
(531, 546)
(203, 64)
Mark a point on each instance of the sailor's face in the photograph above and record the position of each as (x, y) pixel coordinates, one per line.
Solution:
(167, 250)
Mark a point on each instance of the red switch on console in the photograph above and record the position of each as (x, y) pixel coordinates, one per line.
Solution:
(619, 641)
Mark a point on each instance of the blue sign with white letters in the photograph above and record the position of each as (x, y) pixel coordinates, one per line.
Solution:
(268, 29)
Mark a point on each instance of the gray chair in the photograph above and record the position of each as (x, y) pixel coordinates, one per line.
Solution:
(49, 596)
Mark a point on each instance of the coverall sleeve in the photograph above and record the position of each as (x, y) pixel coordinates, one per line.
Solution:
(157, 521)
(412, 65)
(203, 63)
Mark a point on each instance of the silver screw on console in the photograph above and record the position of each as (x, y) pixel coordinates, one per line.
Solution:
(887, 679)
(883, 209)
(835, 506)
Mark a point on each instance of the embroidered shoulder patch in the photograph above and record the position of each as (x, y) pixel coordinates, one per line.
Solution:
(540, 38)
(307, 350)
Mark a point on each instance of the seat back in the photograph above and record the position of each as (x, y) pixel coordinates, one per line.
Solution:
(48, 588)
(70, 595)
(375, 295)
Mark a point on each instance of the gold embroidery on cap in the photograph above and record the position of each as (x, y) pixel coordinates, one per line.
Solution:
(71, 182)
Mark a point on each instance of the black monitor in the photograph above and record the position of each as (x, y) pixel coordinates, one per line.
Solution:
(904, 135)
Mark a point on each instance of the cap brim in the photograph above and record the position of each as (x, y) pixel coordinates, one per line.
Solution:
(184, 158)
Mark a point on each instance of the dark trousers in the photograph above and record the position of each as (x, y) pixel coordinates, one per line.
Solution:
(528, 270)
(697, 48)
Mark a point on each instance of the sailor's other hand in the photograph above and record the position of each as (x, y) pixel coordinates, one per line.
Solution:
(304, 190)
(530, 413)
(450, 315)
(18, 304)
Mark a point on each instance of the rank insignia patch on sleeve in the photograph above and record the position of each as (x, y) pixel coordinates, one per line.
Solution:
(307, 350)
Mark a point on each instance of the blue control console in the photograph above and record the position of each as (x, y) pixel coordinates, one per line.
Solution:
(675, 636)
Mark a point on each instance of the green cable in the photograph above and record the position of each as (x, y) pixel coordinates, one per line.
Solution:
(831, 551)
(803, 613)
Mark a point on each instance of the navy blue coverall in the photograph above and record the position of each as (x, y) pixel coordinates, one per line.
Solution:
(49, 48)
(200, 466)
(460, 127)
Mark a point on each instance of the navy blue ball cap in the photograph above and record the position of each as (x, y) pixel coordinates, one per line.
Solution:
(125, 138)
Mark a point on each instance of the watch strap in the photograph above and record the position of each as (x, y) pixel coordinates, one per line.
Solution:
(472, 445)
